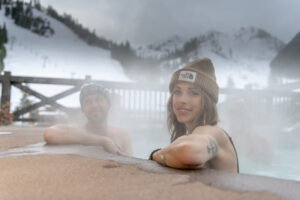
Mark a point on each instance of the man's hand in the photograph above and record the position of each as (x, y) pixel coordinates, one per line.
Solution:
(112, 147)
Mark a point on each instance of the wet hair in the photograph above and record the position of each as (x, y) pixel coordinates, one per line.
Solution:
(208, 116)
(92, 89)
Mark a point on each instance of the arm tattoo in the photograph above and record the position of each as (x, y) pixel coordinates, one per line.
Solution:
(212, 148)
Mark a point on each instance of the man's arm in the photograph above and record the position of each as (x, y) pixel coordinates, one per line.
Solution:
(127, 144)
(123, 139)
(191, 151)
(68, 134)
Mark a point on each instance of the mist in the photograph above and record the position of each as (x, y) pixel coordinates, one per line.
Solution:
(147, 21)
(263, 124)
(258, 106)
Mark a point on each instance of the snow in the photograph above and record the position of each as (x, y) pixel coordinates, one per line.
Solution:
(162, 48)
(62, 55)
(241, 55)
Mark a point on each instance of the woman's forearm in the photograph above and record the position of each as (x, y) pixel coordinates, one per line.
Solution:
(186, 152)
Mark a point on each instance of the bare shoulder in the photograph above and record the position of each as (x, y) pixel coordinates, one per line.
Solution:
(117, 129)
(118, 132)
(215, 132)
(121, 137)
(66, 126)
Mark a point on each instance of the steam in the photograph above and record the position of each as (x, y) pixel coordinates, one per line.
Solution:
(263, 125)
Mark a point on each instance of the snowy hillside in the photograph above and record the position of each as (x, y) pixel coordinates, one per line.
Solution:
(162, 48)
(242, 56)
(62, 55)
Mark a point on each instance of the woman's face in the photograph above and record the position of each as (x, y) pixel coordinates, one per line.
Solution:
(186, 102)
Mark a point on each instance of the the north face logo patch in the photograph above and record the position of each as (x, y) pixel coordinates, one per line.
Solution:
(188, 76)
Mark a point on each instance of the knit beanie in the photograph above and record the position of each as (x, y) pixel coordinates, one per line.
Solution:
(92, 89)
(200, 72)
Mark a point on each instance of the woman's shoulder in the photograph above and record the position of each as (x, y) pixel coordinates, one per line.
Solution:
(214, 131)
(208, 129)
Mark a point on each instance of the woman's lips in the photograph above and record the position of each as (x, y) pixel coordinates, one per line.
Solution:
(183, 111)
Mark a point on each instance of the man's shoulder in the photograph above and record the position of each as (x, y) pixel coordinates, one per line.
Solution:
(115, 130)
(68, 126)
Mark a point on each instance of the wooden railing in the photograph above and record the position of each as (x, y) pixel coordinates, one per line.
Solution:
(140, 100)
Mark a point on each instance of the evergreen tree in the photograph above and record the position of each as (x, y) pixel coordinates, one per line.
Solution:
(3, 40)
(7, 11)
(37, 5)
(28, 11)
(2, 55)
(24, 102)
(4, 34)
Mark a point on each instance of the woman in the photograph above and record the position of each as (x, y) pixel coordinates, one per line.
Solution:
(196, 141)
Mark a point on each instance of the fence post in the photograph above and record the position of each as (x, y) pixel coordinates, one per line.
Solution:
(6, 88)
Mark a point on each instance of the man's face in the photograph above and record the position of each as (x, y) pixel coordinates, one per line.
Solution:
(95, 108)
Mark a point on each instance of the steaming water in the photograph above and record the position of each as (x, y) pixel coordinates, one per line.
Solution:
(144, 143)
(285, 164)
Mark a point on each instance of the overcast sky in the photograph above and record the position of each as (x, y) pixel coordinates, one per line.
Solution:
(145, 21)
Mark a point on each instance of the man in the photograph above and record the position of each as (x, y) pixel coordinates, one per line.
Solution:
(95, 105)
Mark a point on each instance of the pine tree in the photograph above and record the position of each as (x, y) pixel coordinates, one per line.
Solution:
(37, 5)
(1, 36)
(24, 102)
(2, 56)
(3, 40)
(5, 34)
(7, 11)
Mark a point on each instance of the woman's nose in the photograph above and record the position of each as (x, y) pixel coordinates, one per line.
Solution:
(183, 98)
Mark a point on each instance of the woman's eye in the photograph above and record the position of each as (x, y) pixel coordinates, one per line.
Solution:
(176, 92)
(194, 93)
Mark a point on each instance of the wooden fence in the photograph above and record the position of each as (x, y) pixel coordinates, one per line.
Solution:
(138, 100)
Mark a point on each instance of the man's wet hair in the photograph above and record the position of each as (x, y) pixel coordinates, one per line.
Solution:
(93, 89)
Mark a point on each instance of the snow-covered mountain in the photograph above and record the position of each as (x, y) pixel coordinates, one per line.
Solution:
(287, 61)
(62, 55)
(162, 48)
(242, 56)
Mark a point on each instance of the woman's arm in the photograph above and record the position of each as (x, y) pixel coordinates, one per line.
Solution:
(191, 151)
(67, 134)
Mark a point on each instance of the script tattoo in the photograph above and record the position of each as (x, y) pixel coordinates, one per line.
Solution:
(212, 148)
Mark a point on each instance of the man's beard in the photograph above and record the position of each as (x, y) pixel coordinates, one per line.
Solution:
(98, 117)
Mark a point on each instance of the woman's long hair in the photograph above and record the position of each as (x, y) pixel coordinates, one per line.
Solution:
(208, 116)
